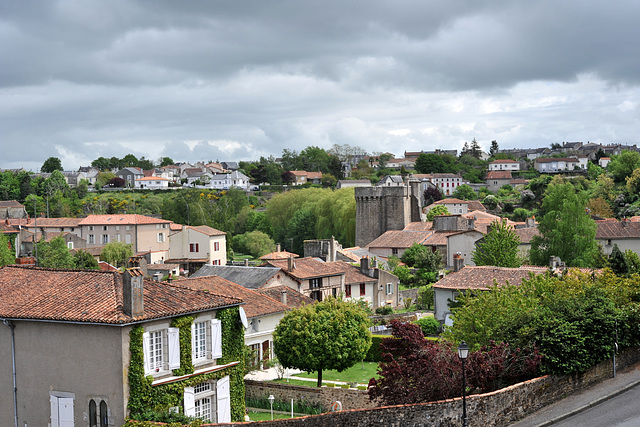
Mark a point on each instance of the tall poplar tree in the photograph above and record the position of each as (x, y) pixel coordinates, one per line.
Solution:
(499, 247)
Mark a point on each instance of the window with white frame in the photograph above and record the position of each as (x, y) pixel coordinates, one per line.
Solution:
(161, 349)
(105, 239)
(70, 245)
(194, 247)
(209, 401)
(206, 340)
(389, 288)
(91, 238)
(90, 228)
(160, 237)
(127, 238)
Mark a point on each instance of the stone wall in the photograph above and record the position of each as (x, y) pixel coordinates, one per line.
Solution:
(324, 396)
(498, 408)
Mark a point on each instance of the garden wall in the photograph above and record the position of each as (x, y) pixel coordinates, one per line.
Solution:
(498, 408)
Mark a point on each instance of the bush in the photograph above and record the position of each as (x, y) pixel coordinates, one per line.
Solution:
(384, 310)
(429, 325)
(374, 354)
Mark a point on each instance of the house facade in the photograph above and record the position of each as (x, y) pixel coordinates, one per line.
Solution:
(496, 179)
(224, 181)
(311, 277)
(130, 174)
(84, 341)
(194, 246)
(152, 183)
(625, 234)
(504, 165)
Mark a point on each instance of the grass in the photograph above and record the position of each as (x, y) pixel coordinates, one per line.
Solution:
(266, 416)
(293, 381)
(354, 374)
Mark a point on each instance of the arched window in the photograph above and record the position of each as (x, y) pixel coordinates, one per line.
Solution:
(104, 417)
(93, 414)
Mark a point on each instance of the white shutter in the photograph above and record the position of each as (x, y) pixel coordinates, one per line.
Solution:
(54, 411)
(145, 351)
(224, 400)
(189, 402)
(174, 347)
(216, 339)
(65, 412)
(193, 343)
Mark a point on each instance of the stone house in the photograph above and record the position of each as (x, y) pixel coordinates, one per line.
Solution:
(369, 283)
(130, 174)
(194, 246)
(250, 277)
(12, 209)
(82, 343)
(625, 234)
(496, 179)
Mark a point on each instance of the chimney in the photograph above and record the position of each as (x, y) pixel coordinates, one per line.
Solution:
(246, 262)
(364, 265)
(132, 292)
(332, 250)
(277, 247)
(290, 263)
(471, 223)
(283, 296)
(458, 262)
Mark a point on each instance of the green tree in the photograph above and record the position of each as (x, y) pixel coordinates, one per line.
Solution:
(130, 160)
(499, 247)
(7, 255)
(101, 163)
(566, 229)
(494, 148)
(623, 165)
(618, 262)
(51, 164)
(255, 243)
(331, 334)
(430, 163)
(85, 261)
(116, 253)
(422, 257)
(55, 254)
(437, 210)
(465, 192)
(166, 161)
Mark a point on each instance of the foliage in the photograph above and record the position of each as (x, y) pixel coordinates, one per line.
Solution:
(51, 164)
(384, 310)
(566, 229)
(331, 334)
(623, 165)
(499, 247)
(490, 201)
(618, 262)
(425, 298)
(431, 195)
(422, 257)
(570, 319)
(300, 406)
(256, 243)
(85, 261)
(116, 253)
(600, 207)
(7, 256)
(55, 254)
(435, 163)
(436, 211)
(465, 192)
(429, 325)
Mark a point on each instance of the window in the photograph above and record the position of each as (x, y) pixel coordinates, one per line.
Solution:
(105, 227)
(91, 228)
(161, 350)
(194, 247)
(117, 237)
(127, 227)
(160, 237)
(394, 251)
(363, 289)
(70, 245)
(206, 340)
(209, 403)
(127, 238)
(389, 288)
(216, 246)
(105, 239)
(92, 238)
(347, 291)
(315, 283)
(98, 415)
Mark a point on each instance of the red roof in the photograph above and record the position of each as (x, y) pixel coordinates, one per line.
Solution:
(126, 219)
(307, 268)
(503, 161)
(92, 296)
(499, 175)
(482, 277)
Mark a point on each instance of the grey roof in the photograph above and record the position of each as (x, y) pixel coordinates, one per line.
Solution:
(249, 277)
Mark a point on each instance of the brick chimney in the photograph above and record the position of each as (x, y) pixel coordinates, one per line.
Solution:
(132, 292)
(458, 262)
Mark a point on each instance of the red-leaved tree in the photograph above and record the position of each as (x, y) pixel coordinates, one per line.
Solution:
(415, 370)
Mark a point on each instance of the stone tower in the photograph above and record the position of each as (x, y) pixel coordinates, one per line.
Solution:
(379, 209)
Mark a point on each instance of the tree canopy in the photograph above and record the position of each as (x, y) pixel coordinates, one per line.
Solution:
(51, 164)
(55, 254)
(116, 253)
(7, 255)
(437, 210)
(331, 334)
(499, 247)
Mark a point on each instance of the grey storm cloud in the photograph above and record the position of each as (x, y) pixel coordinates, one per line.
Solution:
(202, 80)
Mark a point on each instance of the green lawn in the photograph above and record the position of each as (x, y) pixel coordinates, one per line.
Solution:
(266, 416)
(293, 381)
(354, 374)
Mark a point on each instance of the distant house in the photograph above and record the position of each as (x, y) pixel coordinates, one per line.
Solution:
(391, 181)
(560, 164)
(454, 206)
(447, 183)
(196, 175)
(504, 165)
(474, 279)
(224, 181)
(302, 177)
(496, 179)
(369, 283)
(73, 178)
(215, 168)
(94, 336)
(130, 174)
(625, 234)
(152, 183)
(345, 183)
(249, 277)
(195, 246)
(603, 162)
(12, 209)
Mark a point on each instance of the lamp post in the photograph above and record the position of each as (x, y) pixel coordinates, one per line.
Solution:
(271, 399)
(463, 353)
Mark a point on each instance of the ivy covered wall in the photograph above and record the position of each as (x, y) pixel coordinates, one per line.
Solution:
(144, 398)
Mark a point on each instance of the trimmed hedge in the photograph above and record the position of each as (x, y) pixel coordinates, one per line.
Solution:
(374, 355)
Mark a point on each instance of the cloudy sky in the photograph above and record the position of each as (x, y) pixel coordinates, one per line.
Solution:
(236, 80)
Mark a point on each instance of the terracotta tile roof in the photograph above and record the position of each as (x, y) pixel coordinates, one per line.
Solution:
(483, 277)
(126, 219)
(499, 175)
(400, 239)
(307, 268)
(617, 230)
(450, 201)
(480, 215)
(255, 304)
(249, 277)
(439, 238)
(92, 296)
(294, 298)
(152, 178)
(299, 173)
(352, 274)
(279, 255)
(53, 222)
(175, 227)
(162, 267)
(10, 204)
(314, 175)
(209, 231)
(503, 161)
(105, 266)
(475, 205)
(419, 226)
(526, 234)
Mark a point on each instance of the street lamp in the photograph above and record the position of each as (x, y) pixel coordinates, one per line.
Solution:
(271, 399)
(463, 353)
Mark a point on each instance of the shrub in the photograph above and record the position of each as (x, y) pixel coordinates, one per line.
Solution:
(374, 355)
(429, 325)
(384, 310)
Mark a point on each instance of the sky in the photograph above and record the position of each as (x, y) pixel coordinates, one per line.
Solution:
(237, 80)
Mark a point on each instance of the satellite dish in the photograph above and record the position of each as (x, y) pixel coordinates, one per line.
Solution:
(243, 318)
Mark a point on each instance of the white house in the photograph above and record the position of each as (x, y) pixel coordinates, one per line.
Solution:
(224, 181)
(152, 183)
(504, 165)
(194, 246)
